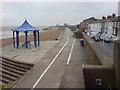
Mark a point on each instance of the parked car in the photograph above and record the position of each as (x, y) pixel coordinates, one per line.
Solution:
(104, 37)
(107, 40)
(113, 38)
(97, 37)
(92, 33)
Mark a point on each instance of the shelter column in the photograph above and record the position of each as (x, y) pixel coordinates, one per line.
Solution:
(17, 38)
(35, 38)
(13, 39)
(26, 38)
(38, 39)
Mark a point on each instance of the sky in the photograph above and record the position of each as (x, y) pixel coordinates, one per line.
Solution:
(52, 13)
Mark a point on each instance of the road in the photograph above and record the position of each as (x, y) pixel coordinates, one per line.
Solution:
(54, 71)
(107, 47)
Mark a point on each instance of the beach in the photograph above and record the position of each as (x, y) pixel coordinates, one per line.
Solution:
(45, 35)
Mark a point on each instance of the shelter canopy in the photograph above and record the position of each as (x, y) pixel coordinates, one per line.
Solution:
(25, 27)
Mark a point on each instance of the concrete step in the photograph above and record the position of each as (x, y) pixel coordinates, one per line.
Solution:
(4, 80)
(15, 64)
(2, 83)
(10, 73)
(12, 66)
(21, 63)
(3, 75)
(12, 70)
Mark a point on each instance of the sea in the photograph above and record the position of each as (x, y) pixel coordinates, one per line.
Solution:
(5, 31)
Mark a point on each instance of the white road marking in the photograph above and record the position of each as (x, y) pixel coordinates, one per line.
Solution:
(68, 61)
(49, 66)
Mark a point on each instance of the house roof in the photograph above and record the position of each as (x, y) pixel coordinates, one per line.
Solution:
(25, 27)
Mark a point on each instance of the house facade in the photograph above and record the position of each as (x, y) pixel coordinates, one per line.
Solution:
(109, 25)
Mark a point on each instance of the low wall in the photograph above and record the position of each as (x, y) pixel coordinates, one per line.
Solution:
(116, 63)
(98, 76)
(103, 57)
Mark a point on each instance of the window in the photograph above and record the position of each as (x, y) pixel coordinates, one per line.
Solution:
(115, 28)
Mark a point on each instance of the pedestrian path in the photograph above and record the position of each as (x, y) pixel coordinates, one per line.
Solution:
(59, 74)
(73, 76)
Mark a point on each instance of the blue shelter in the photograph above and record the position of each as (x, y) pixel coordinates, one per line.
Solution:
(25, 27)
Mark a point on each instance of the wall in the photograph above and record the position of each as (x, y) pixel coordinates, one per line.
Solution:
(116, 63)
(98, 76)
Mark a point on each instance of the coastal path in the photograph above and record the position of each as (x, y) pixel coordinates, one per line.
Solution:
(60, 68)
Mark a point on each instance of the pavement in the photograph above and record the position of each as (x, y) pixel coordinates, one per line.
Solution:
(52, 71)
(73, 76)
(31, 55)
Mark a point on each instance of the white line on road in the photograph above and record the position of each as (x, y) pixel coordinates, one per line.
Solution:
(68, 61)
(49, 66)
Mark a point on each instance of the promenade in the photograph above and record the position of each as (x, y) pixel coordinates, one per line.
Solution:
(54, 71)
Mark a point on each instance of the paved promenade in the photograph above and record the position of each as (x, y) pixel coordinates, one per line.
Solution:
(60, 68)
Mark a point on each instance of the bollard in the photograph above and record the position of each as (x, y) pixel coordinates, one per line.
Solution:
(82, 42)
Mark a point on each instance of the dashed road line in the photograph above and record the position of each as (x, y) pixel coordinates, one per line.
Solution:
(68, 61)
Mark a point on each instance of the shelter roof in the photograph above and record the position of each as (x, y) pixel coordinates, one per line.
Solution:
(25, 27)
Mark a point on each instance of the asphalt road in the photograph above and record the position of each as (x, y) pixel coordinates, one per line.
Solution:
(53, 70)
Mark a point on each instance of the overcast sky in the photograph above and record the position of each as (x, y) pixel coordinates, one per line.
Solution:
(52, 13)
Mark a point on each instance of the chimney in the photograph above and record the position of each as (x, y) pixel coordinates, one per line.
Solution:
(113, 15)
(103, 17)
(109, 16)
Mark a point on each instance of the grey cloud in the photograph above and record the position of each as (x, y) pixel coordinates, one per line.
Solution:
(52, 13)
